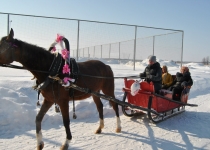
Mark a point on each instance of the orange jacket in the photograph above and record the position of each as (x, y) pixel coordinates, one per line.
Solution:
(167, 79)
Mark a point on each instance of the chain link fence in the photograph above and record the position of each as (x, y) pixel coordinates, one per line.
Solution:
(97, 40)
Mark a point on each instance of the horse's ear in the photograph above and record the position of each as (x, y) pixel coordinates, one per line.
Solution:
(11, 34)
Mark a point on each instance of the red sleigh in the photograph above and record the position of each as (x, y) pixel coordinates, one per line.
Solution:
(158, 106)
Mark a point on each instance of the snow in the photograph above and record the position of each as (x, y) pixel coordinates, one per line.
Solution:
(188, 130)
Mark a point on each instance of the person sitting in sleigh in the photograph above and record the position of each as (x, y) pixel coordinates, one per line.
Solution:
(167, 79)
(182, 80)
(153, 73)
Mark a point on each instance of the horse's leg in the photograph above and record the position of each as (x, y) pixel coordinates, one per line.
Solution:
(109, 90)
(66, 122)
(44, 108)
(99, 106)
(116, 109)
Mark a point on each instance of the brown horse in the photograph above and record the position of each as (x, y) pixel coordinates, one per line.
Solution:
(38, 61)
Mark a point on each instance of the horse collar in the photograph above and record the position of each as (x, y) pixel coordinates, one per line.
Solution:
(54, 70)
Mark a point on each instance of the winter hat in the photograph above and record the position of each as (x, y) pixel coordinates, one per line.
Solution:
(152, 58)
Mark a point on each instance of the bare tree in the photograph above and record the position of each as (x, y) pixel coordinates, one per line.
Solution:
(207, 60)
(204, 61)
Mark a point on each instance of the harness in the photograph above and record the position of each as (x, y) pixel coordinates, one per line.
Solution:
(54, 71)
(74, 74)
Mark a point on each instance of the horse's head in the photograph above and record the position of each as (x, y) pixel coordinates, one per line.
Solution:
(7, 48)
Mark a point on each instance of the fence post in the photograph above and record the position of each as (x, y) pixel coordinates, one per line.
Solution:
(109, 50)
(76, 54)
(88, 53)
(78, 39)
(134, 54)
(119, 50)
(153, 53)
(101, 51)
(94, 52)
(182, 47)
(8, 24)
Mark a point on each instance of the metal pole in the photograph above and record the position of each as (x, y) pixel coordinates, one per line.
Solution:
(94, 52)
(101, 51)
(182, 47)
(8, 24)
(88, 53)
(134, 54)
(109, 50)
(119, 50)
(153, 45)
(78, 40)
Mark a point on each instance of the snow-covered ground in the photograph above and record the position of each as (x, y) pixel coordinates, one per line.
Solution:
(189, 130)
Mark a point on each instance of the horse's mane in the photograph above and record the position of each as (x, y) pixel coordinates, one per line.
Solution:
(34, 56)
(3, 38)
(31, 48)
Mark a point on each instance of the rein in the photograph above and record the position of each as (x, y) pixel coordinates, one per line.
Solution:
(20, 67)
(108, 77)
(79, 74)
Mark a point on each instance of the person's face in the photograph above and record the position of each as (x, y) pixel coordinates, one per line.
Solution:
(164, 69)
(151, 62)
(183, 70)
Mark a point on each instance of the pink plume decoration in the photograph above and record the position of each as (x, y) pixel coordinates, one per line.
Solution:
(66, 79)
(53, 49)
(66, 69)
(65, 53)
(59, 38)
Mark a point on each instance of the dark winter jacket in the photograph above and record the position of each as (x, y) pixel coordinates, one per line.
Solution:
(180, 78)
(153, 73)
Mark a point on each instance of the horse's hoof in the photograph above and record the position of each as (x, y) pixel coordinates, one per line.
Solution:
(41, 146)
(98, 131)
(64, 147)
(118, 130)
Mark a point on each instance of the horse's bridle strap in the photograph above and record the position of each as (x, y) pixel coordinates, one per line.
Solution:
(8, 46)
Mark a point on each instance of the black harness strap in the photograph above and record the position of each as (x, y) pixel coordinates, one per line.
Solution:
(74, 75)
(74, 69)
(54, 70)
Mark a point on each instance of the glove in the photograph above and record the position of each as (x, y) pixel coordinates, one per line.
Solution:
(164, 86)
(184, 84)
(140, 75)
(178, 74)
(149, 77)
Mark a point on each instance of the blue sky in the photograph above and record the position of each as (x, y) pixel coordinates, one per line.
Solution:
(191, 16)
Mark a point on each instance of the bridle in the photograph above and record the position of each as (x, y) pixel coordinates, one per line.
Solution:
(7, 45)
